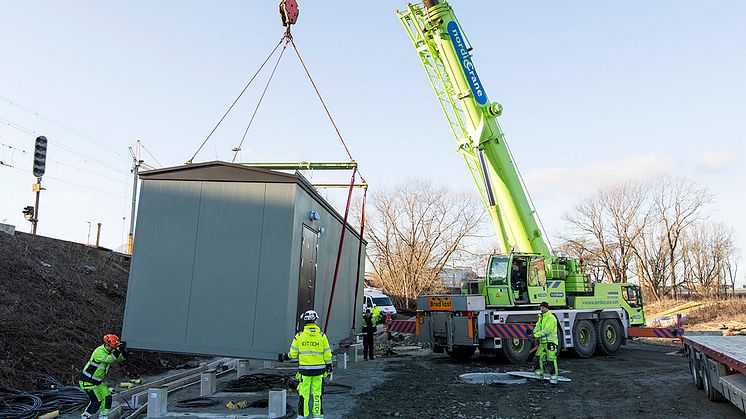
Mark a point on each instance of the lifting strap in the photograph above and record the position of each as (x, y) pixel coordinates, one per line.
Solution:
(359, 258)
(339, 251)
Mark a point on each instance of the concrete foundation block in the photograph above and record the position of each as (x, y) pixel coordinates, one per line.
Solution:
(342, 361)
(242, 368)
(157, 402)
(277, 403)
(354, 352)
(208, 383)
(269, 364)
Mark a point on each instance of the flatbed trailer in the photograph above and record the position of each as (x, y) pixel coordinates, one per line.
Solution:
(718, 366)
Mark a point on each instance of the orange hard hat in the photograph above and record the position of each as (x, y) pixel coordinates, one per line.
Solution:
(111, 340)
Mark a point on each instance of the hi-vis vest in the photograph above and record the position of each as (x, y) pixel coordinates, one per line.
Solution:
(97, 367)
(546, 328)
(311, 347)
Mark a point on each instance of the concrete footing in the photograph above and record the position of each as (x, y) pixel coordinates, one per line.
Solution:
(354, 352)
(157, 402)
(342, 361)
(208, 383)
(277, 403)
(242, 368)
(269, 364)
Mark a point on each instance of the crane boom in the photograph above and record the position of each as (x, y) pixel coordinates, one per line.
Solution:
(445, 55)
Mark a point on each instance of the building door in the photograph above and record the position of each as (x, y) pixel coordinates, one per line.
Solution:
(307, 281)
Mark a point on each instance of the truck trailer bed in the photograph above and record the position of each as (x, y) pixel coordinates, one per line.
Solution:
(729, 350)
(718, 366)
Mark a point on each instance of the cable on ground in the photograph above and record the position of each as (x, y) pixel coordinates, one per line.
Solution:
(260, 382)
(31, 404)
(198, 402)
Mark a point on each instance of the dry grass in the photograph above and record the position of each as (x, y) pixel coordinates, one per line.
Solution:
(712, 315)
(719, 311)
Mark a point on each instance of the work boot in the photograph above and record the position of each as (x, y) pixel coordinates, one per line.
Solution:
(539, 374)
(553, 379)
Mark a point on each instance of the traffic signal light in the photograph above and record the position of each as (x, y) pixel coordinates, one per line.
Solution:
(40, 156)
(28, 213)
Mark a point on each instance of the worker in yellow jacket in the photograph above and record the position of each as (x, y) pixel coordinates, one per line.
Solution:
(546, 332)
(314, 354)
(92, 377)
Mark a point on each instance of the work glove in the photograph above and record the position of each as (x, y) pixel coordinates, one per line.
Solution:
(283, 357)
(329, 368)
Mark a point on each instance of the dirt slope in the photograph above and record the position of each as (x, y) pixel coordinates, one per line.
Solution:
(57, 299)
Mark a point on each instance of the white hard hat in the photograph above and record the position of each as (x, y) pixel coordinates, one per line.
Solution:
(310, 316)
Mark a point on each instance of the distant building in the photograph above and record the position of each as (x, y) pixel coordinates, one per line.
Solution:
(453, 278)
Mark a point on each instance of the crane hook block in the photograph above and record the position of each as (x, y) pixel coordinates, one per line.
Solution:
(288, 12)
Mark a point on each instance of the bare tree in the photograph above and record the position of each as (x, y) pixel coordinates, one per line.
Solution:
(414, 230)
(678, 204)
(708, 251)
(606, 225)
(651, 256)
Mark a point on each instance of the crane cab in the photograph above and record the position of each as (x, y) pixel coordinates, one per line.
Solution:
(521, 279)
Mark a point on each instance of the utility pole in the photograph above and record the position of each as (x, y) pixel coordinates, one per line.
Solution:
(98, 235)
(135, 169)
(88, 240)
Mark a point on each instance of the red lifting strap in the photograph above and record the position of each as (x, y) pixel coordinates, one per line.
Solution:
(359, 257)
(339, 252)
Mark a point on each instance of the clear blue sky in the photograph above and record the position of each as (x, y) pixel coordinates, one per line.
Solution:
(594, 93)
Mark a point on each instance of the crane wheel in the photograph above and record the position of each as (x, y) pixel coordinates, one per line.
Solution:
(584, 338)
(516, 351)
(610, 336)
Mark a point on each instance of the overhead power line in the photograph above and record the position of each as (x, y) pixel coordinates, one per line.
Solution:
(71, 183)
(150, 154)
(68, 165)
(25, 130)
(63, 126)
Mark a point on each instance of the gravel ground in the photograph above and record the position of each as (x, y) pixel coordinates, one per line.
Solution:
(642, 381)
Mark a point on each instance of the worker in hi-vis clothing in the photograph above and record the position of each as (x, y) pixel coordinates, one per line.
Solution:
(92, 376)
(311, 347)
(377, 318)
(546, 332)
(370, 321)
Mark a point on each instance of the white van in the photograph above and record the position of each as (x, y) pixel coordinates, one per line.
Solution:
(373, 296)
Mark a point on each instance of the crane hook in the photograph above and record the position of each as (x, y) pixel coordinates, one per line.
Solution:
(288, 14)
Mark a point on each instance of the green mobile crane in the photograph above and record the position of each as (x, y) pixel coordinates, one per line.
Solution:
(526, 272)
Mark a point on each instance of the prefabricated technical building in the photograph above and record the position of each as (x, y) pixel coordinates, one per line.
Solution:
(227, 257)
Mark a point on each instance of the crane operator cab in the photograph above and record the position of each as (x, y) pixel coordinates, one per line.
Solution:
(516, 279)
(518, 282)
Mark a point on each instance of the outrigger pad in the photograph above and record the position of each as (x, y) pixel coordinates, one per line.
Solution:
(288, 12)
(530, 374)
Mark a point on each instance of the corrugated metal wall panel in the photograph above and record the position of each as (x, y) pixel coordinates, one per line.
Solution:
(226, 266)
(341, 318)
(271, 316)
(158, 290)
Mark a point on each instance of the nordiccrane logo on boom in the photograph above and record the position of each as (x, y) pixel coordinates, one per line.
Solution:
(466, 64)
